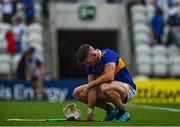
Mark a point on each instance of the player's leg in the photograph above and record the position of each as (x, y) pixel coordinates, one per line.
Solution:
(101, 101)
(38, 88)
(96, 98)
(77, 93)
(116, 92)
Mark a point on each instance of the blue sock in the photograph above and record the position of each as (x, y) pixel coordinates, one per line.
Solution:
(121, 111)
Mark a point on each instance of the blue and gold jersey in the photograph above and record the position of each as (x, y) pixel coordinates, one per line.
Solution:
(121, 72)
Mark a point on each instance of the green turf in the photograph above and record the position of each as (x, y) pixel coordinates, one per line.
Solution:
(32, 110)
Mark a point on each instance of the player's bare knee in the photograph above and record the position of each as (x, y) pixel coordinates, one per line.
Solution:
(76, 96)
(79, 97)
(75, 93)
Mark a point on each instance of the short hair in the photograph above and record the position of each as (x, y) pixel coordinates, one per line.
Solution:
(31, 50)
(82, 53)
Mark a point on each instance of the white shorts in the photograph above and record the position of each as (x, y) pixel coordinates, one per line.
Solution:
(130, 92)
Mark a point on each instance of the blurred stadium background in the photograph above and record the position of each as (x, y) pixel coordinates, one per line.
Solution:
(61, 26)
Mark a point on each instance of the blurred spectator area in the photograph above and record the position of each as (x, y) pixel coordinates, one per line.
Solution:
(37, 33)
(149, 58)
(152, 59)
(89, 1)
(32, 36)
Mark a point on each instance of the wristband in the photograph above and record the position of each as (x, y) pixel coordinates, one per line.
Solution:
(90, 110)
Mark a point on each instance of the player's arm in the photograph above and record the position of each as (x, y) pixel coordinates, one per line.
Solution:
(91, 77)
(106, 77)
(92, 98)
(27, 74)
(42, 68)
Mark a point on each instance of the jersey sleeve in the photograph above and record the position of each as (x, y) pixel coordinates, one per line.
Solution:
(88, 70)
(108, 58)
(39, 60)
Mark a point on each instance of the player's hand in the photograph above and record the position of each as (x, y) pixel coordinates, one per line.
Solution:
(90, 117)
(85, 90)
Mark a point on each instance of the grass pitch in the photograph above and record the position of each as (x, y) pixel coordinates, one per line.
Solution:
(156, 115)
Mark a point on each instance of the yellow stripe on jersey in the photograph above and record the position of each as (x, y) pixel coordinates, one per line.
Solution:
(119, 66)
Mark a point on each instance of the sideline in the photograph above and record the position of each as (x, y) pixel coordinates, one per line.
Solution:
(153, 107)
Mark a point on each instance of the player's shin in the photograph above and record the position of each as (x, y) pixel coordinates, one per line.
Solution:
(92, 98)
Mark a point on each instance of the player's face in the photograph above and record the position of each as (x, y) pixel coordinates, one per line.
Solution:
(92, 59)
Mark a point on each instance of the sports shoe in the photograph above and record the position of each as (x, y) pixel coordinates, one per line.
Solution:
(111, 115)
(124, 117)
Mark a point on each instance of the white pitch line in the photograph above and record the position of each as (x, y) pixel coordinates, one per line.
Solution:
(153, 107)
(16, 119)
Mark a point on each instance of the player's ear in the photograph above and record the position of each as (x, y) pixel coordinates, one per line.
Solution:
(94, 54)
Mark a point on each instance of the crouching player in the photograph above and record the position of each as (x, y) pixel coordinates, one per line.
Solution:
(108, 81)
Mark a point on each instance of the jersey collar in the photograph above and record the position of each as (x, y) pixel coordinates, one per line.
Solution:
(100, 54)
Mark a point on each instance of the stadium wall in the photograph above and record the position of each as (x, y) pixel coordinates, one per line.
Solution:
(56, 91)
(148, 91)
(65, 16)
